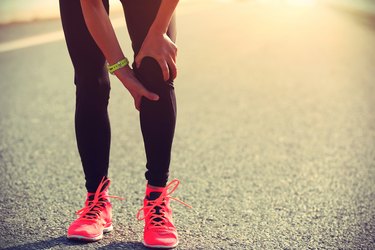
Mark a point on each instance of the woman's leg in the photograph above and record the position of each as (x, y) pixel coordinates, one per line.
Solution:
(157, 118)
(92, 94)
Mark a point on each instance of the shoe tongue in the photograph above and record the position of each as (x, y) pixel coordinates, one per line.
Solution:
(153, 195)
(89, 201)
(104, 188)
(90, 198)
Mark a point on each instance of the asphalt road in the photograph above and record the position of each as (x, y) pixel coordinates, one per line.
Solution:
(275, 139)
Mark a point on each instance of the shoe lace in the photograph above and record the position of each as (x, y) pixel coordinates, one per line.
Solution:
(94, 207)
(158, 218)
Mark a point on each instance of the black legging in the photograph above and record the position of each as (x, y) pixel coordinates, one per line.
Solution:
(92, 124)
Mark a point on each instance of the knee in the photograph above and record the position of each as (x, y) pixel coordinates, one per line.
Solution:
(150, 75)
(92, 91)
(92, 77)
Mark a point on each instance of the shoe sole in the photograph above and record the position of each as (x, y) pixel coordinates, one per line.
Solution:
(91, 239)
(160, 246)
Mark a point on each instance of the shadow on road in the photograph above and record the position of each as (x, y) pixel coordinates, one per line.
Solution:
(45, 244)
(63, 241)
(125, 245)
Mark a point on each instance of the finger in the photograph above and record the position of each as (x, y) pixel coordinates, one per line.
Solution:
(164, 68)
(175, 50)
(172, 68)
(137, 103)
(138, 59)
(149, 95)
(136, 88)
(173, 57)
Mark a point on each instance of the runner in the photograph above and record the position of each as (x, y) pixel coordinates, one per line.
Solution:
(95, 50)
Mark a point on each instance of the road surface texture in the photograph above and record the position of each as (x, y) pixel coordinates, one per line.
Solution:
(275, 139)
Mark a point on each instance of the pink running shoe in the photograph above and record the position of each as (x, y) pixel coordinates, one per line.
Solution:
(96, 217)
(159, 231)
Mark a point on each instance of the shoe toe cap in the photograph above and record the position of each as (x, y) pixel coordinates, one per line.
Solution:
(167, 239)
(88, 230)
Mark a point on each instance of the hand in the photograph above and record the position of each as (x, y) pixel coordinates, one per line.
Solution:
(163, 50)
(136, 89)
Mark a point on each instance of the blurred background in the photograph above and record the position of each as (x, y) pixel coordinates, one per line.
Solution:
(19, 11)
(275, 138)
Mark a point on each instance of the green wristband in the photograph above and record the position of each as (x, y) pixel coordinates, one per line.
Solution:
(120, 64)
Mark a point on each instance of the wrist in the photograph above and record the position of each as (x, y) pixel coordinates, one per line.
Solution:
(124, 73)
(156, 31)
(112, 68)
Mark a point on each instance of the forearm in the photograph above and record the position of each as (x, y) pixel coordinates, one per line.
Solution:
(100, 27)
(163, 17)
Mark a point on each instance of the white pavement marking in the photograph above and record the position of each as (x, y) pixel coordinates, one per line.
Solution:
(31, 41)
(44, 38)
